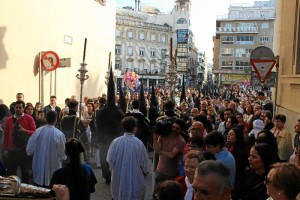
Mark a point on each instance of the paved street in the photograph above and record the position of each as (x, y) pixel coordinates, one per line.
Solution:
(103, 190)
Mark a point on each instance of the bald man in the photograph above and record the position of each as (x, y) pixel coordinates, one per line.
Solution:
(198, 129)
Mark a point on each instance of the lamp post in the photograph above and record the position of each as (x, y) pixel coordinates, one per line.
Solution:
(81, 76)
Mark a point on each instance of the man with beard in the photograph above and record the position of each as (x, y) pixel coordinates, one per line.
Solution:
(14, 149)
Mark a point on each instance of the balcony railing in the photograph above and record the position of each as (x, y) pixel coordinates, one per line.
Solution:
(246, 16)
(252, 29)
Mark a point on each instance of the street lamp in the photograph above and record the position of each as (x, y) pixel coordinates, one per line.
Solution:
(81, 76)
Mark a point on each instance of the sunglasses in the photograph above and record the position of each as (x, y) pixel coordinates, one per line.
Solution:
(267, 181)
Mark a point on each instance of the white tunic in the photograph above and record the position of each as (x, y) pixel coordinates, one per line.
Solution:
(129, 162)
(47, 144)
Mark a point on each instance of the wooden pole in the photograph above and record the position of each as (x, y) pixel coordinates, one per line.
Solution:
(171, 50)
(109, 58)
(84, 51)
(175, 57)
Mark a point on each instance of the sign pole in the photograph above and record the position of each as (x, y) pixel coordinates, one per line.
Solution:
(276, 91)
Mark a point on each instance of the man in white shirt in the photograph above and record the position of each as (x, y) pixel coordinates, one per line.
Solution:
(128, 162)
(47, 144)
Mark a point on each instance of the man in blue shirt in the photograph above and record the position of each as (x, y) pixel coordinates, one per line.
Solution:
(214, 142)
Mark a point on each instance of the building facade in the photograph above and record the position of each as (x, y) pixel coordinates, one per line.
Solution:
(238, 33)
(141, 47)
(29, 28)
(143, 43)
(287, 47)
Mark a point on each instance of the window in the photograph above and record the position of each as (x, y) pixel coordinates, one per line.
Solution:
(129, 65)
(152, 53)
(130, 51)
(227, 63)
(181, 21)
(163, 39)
(153, 38)
(227, 40)
(182, 35)
(141, 66)
(246, 25)
(227, 52)
(163, 53)
(130, 35)
(118, 33)
(182, 50)
(264, 14)
(264, 25)
(142, 51)
(243, 52)
(118, 65)
(142, 36)
(118, 50)
(227, 25)
(152, 67)
(247, 39)
(264, 39)
(242, 63)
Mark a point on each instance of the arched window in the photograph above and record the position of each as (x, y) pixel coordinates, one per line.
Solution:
(181, 21)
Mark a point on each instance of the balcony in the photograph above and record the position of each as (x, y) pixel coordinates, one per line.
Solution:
(235, 30)
(226, 17)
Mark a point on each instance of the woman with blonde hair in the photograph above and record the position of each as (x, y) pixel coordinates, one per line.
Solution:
(283, 182)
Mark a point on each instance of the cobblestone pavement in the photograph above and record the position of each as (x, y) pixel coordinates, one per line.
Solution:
(103, 190)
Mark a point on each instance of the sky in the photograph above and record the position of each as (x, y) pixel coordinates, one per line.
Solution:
(203, 18)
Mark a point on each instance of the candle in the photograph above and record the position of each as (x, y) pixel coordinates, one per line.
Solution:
(109, 58)
(85, 40)
(171, 51)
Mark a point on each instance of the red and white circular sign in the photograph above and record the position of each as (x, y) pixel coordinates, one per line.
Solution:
(49, 61)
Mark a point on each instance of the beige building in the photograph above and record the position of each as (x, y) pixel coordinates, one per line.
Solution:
(287, 46)
(143, 43)
(238, 33)
(28, 28)
(141, 47)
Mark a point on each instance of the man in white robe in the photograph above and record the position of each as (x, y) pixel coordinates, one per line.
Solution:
(47, 144)
(129, 162)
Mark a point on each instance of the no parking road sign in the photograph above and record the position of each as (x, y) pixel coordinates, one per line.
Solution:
(49, 60)
(262, 60)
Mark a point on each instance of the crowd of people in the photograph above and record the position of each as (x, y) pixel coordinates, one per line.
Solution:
(226, 147)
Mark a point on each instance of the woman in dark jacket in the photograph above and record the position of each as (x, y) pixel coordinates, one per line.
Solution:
(251, 185)
(236, 146)
(77, 176)
(266, 136)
